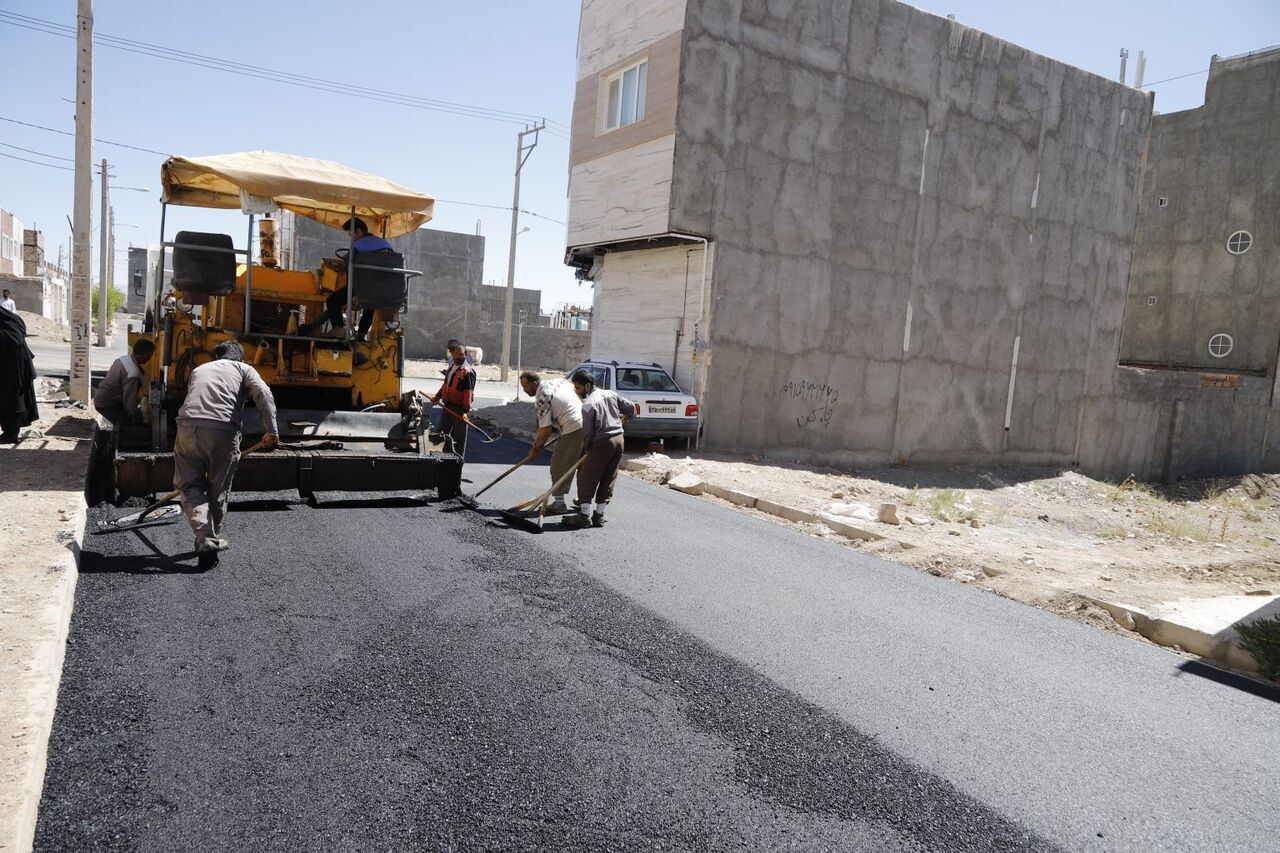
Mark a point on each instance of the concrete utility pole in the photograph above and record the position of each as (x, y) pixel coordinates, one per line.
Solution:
(80, 259)
(111, 249)
(1124, 64)
(522, 154)
(103, 238)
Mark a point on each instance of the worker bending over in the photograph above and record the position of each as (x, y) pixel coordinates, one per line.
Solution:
(603, 413)
(117, 397)
(207, 448)
(455, 397)
(559, 413)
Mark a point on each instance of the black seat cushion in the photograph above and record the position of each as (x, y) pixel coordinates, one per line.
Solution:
(199, 271)
(376, 283)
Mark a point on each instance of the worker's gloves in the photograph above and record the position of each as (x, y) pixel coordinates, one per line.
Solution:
(270, 441)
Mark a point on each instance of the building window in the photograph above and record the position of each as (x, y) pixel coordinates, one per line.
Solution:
(1163, 201)
(1221, 345)
(1239, 242)
(1153, 300)
(626, 88)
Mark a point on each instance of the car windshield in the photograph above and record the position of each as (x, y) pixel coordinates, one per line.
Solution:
(645, 379)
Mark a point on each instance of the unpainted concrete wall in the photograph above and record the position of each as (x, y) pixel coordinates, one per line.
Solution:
(1211, 171)
(898, 202)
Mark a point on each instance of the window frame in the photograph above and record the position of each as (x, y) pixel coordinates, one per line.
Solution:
(614, 112)
(1247, 241)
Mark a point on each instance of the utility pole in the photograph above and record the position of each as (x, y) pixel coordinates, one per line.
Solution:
(522, 154)
(111, 251)
(80, 259)
(103, 238)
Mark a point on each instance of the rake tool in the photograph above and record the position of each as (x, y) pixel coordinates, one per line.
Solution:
(470, 500)
(138, 518)
(519, 515)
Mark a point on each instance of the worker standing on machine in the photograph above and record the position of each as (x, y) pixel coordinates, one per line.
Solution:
(207, 448)
(455, 397)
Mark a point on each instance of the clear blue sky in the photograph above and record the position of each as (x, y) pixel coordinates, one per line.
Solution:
(510, 56)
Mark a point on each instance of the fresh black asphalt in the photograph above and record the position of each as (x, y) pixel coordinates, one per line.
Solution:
(378, 674)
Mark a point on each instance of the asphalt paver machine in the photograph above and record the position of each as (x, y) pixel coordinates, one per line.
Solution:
(345, 422)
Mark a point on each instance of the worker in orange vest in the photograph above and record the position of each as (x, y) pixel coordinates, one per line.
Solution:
(454, 398)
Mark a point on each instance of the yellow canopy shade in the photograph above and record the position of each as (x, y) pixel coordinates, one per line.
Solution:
(317, 189)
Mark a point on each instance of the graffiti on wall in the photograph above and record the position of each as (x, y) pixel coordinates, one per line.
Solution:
(818, 400)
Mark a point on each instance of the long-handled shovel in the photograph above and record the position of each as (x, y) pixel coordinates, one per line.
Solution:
(137, 518)
(518, 516)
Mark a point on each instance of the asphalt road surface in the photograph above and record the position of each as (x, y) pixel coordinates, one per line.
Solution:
(386, 675)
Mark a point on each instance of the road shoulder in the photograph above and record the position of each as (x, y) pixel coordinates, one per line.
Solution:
(42, 517)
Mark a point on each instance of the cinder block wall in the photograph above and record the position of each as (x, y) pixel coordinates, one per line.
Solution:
(898, 203)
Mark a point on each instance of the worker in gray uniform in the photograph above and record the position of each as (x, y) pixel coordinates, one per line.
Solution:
(207, 448)
(117, 397)
(603, 413)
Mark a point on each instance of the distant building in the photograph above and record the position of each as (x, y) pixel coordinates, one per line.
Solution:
(36, 285)
(11, 231)
(866, 234)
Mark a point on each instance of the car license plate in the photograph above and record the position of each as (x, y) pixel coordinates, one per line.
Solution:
(662, 410)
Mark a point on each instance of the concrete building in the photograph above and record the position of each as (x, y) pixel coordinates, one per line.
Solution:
(449, 300)
(35, 285)
(918, 237)
(11, 233)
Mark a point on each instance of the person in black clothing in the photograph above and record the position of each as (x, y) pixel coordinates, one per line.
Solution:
(17, 378)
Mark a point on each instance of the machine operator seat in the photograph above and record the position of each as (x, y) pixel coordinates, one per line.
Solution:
(204, 264)
(378, 284)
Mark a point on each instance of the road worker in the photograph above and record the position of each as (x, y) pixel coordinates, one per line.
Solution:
(559, 412)
(117, 397)
(207, 448)
(455, 397)
(603, 413)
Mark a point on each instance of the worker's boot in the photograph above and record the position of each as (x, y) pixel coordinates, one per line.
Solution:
(597, 519)
(557, 507)
(577, 520)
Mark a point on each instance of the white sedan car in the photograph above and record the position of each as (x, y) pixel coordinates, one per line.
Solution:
(666, 412)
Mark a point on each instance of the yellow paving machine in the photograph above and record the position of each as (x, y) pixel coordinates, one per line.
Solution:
(345, 423)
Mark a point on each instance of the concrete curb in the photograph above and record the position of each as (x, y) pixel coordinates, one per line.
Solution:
(733, 496)
(1163, 632)
(38, 596)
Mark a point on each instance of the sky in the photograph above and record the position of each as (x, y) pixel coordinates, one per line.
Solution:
(512, 57)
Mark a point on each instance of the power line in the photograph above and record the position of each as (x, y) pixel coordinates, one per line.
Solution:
(40, 153)
(95, 139)
(263, 73)
(161, 153)
(505, 207)
(38, 163)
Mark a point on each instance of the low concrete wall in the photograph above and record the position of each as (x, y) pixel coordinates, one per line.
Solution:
(1172, 424)
(27, 292)
(544, 347)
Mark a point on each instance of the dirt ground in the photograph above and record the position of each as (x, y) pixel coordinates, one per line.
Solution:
(1047, 537)
(42, 328)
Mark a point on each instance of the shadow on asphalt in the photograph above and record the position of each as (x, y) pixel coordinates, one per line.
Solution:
(95, 563)
(1231, 679)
